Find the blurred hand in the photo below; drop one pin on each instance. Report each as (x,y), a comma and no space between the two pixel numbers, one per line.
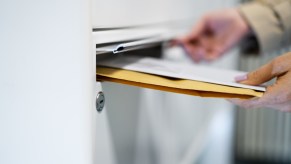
(214,34)
(278,95)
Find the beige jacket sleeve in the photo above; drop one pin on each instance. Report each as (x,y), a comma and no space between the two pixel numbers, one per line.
(270,21)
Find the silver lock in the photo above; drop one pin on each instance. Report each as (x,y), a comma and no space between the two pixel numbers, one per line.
(100,101)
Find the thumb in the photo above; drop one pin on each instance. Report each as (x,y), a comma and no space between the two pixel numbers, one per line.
(194,34)
(199,27)
(261,75)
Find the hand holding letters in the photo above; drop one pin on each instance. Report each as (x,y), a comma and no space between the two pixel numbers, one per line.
(278,95)
(214,34)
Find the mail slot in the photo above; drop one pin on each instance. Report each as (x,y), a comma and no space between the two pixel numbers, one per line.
(143,108)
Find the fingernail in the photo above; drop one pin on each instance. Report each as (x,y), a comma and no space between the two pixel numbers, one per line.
(241,78)
(185,49)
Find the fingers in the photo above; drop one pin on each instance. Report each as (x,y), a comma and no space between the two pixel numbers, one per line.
(212,47)
(196,53)
(277,95)
(191,42)
(248,104)
(199,52)
(194,35)
(261,102)
(258,103)
(202,43)
(263,74)
(199,28)
(202,49)
(284,107)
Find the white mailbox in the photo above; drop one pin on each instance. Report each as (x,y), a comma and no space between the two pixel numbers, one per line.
(48,88)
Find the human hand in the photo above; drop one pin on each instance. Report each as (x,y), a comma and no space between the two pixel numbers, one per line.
(278,95)
(214,34)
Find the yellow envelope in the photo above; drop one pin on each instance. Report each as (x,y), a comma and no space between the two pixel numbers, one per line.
(189,87)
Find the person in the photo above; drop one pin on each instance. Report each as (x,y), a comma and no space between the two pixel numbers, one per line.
(270,23)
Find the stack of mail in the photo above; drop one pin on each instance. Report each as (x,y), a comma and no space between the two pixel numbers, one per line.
(178,78)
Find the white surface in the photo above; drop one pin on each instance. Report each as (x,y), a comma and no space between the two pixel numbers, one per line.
(182,71)
(122,107)
(117,13)
(139,44)
(219,147)
(120,35)
(104,148)
(47,82)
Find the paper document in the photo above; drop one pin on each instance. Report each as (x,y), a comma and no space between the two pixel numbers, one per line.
(179,71)
(163,83)
(129,46)
(134,45)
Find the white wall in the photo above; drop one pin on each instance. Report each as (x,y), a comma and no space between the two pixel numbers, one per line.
(47,82)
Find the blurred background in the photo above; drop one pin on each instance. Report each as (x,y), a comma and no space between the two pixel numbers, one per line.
(154,127)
